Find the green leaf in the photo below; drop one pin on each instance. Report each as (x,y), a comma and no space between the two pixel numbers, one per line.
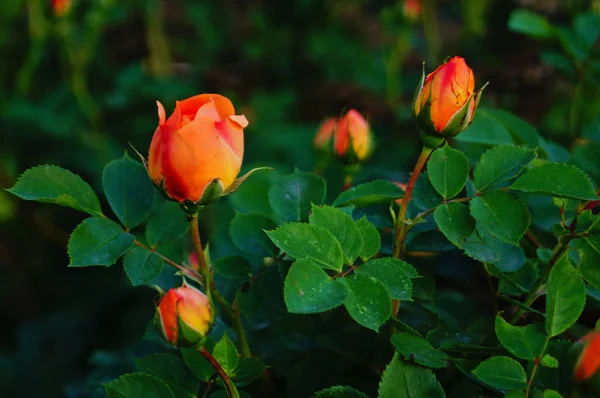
(529,23)
(455,222)
(502,372)
(197,364)
(525,342)
(128,190)
(371,240)
(342,227)
(418,349)
(291,196)
(52,184)
(588,249)
(247,233)
(312,242)
(368,302)
(136,385)
(549,361)
(448,170)
(502,215)
(248,371)
(370,193)
(565,297)
(340,392)
(142,265)
(499,164)
(226,354)
(170,369)
(557,180)
(395,274)
(482,246)
(401,380)
(308,289)
(222,393)
(98,241)
(232,267)
(166,223)
(551,394)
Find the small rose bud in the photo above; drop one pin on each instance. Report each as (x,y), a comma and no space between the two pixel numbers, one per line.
(412,9)
(587,359)
(61,7)
(348,138)
(445,101)
(197,152)
(184,316)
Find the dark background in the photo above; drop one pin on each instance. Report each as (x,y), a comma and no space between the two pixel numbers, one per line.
(77,89)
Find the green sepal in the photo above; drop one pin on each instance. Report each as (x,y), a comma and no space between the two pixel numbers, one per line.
(238,182)
(459,121)
(418,91)
(432,141)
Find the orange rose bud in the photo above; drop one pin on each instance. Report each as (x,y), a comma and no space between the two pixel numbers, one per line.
(349,137)
(197,152)
(61,7)
(588,361)
(412,9)
(445,101)
(184,316)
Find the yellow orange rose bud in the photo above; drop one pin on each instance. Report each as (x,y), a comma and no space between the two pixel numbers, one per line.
(184,316)
(349,137)
(197,152)
(61,7)
(445,101)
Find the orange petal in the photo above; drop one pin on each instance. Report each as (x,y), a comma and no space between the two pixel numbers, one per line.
(189,107)
(162,115)
(194,309)
(359,131)
(589,361)
(155,156)
(325,133)
(167,309)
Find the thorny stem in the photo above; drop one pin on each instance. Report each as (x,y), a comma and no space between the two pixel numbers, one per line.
(211,289)
(401,228)
(185,271)
(229,386)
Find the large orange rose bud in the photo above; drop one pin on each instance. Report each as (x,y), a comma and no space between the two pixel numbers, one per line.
(196,154)
(445,101)
(349,137)
(184,316)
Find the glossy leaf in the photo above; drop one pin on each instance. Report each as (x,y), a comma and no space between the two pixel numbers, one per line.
(368,301)
(340,392)
(502,215)
(499,164)
(129,190)
(502,373)
(419,350)
(448,170)
(455,222)
(371,240)
(52,184)
(304,241)
(170,369)
(373,192)
(136,385)
(226,354)
(395,274)
(98,241)
(401,380)
(142,265)
(557,180)
(525,342)
(166,223)
(342,227)
(247,232)
(291,196)
(565,297)
(308,289)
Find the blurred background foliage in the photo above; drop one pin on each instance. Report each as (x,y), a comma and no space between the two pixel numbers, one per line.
(79,86)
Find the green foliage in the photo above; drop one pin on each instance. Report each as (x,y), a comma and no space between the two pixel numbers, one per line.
(247,233)
(525,342)
(304,241)
(342,227)
(142,265)
(166,223)
(371,240)
(171,370)
(502,372)
(529,23)
(455,222)
(557,180)
(138,385)
(309,289)
(448,170)
(128,190)
(395,274)
(401,380)
(98,241)
(52,184)
(502,215)
(499,164)
(565,297)
(291,196)
(368,301)
(226,354)
(339,392)
(419,350)
(370,193)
